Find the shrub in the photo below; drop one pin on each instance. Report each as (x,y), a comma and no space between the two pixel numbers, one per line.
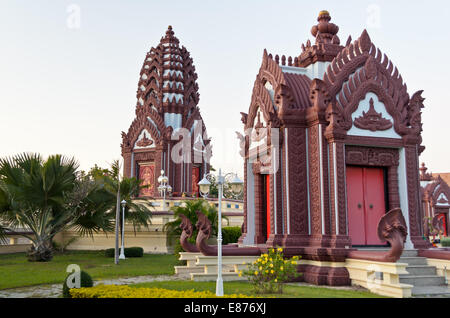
(231,234)
(85,281)
(177,249)
(134,252)
(124,291)
(129,252)
(270,271)
(445,241)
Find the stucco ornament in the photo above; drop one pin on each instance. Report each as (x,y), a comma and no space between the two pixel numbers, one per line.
(372,120)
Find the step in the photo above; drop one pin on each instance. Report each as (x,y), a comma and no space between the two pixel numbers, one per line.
(421,270)
(413,260)
(424,280)
(430,291)
(409,253)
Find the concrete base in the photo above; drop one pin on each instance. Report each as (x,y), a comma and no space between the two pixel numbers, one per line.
(205,267)
(379,277)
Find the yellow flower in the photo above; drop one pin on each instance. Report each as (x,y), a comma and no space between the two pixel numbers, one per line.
(276,280)
(260,268)
(240,274)
(294,262)
(267,271)
(256,272)
(272,271)
(271,265)
(281,268)
(280,249)
(270,259)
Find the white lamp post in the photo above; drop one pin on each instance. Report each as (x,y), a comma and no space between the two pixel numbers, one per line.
(236,187)
(122,248)
(164,187)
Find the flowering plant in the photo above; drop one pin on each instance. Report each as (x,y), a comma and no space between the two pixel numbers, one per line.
(270,271)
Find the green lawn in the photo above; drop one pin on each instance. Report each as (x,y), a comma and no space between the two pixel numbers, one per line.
(16,271)
(290,291)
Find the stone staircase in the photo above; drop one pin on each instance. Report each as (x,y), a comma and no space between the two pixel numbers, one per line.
(422,276)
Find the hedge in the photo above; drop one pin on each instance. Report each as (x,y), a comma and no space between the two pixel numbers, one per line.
(445,241)
(231,234)
(124,291)
(129,252)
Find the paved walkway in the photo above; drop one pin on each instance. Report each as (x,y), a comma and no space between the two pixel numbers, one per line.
(55,290)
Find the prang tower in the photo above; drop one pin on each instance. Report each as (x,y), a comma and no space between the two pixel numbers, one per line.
(168,132)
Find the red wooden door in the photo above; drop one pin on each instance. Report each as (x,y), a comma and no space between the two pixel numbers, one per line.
(443,216)
(355,211)
(267,204)
(366,204)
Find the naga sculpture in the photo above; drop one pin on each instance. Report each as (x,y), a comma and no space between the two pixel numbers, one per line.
(204,232)
(392,229)
(188,230)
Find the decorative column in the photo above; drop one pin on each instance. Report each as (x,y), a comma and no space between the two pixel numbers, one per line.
(277,195)
(414,205)
(297,220)
(338,204)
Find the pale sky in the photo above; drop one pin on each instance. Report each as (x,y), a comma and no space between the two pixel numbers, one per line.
(68,85)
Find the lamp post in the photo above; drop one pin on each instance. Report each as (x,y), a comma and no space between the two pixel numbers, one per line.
(164,187)
(122,248)
(236,187)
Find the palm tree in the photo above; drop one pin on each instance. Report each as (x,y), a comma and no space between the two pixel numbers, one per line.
(46,197)
(136,212)
(189,210)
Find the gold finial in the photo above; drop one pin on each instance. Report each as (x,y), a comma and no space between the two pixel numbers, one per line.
(324,15)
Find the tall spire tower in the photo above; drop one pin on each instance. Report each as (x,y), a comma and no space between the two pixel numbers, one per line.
(168,132)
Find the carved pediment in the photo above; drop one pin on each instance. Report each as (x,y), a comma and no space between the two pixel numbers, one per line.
(442,199)
(144,142)
(371,120)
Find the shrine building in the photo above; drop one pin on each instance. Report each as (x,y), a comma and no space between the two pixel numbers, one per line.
(347,146)
(436,200)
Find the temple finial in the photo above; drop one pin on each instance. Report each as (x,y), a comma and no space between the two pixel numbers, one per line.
(169,32)
(324,31)
(324,15)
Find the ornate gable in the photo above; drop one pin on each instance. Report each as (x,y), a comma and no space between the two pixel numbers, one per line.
(439,192)
(361,68)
